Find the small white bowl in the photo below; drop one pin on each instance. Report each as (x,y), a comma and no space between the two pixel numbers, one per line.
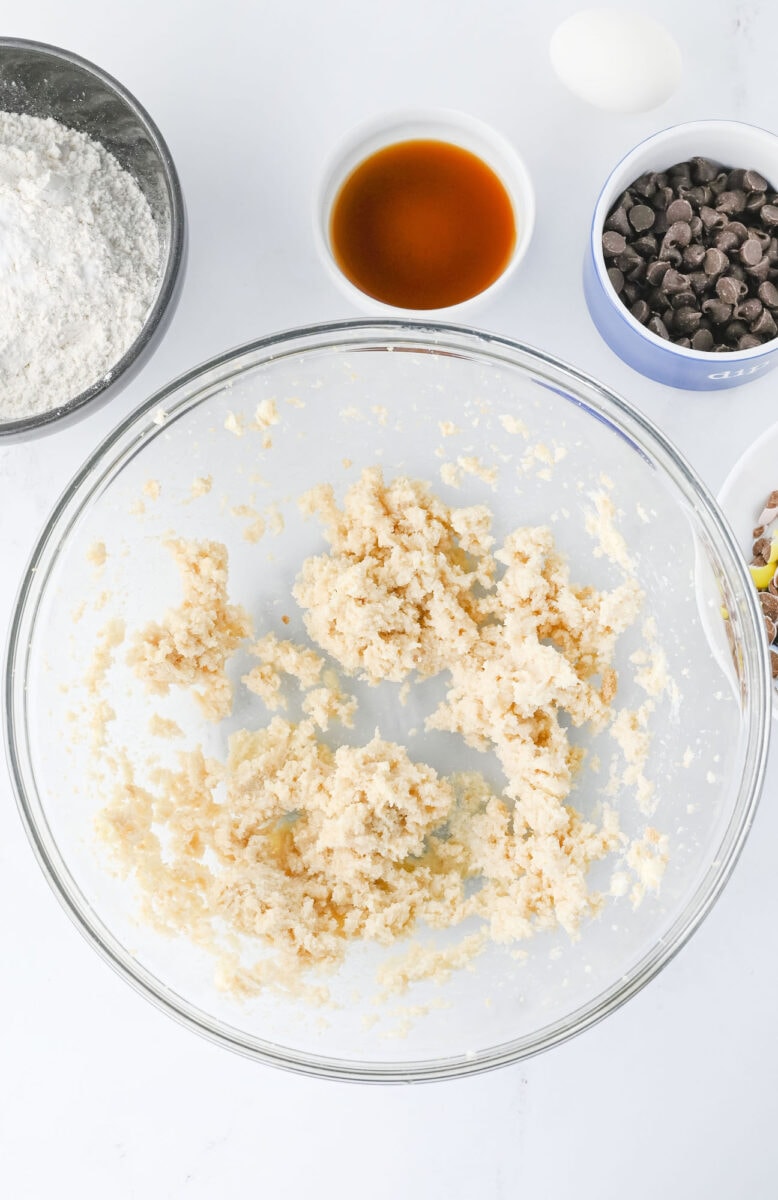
(752,478)
(733,144)
(443,125)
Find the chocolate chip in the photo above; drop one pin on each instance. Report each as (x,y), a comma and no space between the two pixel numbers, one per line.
(768,294)
(618,222)
(769,215)
(754,182)
(702,340)
(680,210)
(760,270)
(731,202)
(674,281)
(758,531)
(762,547)
(645,186)
(614,243)
(748,341)
(679,172)
(735,330)
(687,320)
(669,252)
(640,311)
(726,241)
(750,252)
(763,237)
(755,201)
(717,310)
(749,310)
(714,262)
(684,299)
(657,326)
(739,229)
(712,219)
(770,630)
(641,217)
(698,196)
(616,278)
(698,281)
(703,170)
(660,224)
(646,246)
(628,260)
(728,289)
(662,197)
(656,271)
(764,326)
(679,233)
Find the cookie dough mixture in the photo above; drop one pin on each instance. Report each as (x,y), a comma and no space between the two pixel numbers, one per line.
(295,846)
(191,644)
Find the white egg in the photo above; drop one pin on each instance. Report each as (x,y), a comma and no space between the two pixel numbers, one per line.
(617,60)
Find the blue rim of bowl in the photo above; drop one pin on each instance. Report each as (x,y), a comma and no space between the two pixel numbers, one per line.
(595,235)
(173,263)
(127,439)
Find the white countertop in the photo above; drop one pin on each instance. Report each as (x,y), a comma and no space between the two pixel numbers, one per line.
(100,1094)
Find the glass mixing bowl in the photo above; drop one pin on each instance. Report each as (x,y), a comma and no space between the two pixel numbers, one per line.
(410,397)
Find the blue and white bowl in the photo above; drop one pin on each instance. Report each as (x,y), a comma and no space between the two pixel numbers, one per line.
(733,144)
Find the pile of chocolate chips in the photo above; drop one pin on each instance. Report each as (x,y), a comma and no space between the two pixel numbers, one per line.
(769,597)
(693,254)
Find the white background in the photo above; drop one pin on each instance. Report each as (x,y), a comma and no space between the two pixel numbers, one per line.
(100,1094)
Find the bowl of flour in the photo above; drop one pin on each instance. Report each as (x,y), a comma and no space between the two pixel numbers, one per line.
(92,241)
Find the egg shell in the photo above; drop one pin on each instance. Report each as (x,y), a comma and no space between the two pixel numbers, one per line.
(616,60)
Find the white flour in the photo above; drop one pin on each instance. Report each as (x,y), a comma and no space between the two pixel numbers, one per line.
(79,263)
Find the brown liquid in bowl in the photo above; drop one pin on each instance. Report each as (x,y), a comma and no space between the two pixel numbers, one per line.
(422,224)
